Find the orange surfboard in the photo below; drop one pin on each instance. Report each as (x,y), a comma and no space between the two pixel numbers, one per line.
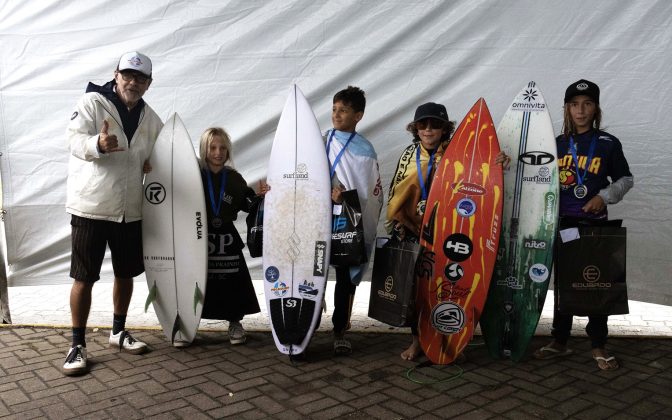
(459,238)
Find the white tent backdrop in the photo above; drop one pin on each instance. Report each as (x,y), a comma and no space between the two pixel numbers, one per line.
(230,63)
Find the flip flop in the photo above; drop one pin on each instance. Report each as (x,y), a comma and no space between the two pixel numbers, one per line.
(548,352)
(342,346)
(604,362)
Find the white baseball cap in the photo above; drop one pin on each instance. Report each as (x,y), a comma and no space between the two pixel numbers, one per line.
(136,61)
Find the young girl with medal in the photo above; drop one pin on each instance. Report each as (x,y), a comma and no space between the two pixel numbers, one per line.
(593,173)
(412,180)
(229,294)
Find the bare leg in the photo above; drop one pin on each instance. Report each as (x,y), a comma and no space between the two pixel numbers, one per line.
(121,295)
(80,303)
(413,350)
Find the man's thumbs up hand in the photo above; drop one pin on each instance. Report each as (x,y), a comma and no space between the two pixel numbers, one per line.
(108,143)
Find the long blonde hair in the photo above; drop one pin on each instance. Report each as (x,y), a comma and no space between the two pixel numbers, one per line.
(568,127)
(206,139)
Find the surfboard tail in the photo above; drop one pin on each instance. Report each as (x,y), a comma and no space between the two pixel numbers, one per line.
(291,319)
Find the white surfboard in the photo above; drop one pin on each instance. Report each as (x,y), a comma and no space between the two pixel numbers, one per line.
(524,260)
(174,233)
(297,226)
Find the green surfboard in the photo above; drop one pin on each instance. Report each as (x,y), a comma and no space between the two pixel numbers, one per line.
(525,256)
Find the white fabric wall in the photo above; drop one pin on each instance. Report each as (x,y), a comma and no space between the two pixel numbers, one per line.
(230,63)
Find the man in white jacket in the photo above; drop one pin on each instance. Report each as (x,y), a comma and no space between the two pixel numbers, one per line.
(111,135)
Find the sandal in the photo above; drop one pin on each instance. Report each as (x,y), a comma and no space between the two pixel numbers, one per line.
(548,352)
(606,363)
(342,346)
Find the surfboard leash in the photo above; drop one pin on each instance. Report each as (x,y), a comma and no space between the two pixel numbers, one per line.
(291,354)
(294,359)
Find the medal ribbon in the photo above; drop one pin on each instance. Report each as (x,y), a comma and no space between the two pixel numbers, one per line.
(332,170)
(211,190)
(591,150)
(425,193)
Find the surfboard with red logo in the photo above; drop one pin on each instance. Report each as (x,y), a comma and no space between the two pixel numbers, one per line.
(459,238)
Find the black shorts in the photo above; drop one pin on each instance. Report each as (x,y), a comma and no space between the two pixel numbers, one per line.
(89,239)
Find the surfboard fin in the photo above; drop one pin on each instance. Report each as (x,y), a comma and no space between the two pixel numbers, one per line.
(151,297)
(198,297)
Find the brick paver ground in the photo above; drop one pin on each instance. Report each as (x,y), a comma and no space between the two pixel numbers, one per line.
(213,379)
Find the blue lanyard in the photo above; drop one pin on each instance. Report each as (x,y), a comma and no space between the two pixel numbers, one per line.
(340,154)
(425,193)
(591,150)
(211,190)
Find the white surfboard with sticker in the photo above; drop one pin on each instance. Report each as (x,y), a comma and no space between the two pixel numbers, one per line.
(524,260)
(174,233)
(297,226)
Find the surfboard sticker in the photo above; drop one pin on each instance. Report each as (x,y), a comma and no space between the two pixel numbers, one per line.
(297,226)
(459,238)
(524,259)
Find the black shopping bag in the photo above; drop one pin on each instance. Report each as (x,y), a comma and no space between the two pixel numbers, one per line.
(392,285)
(590,271)
(255,228)
(347,233)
